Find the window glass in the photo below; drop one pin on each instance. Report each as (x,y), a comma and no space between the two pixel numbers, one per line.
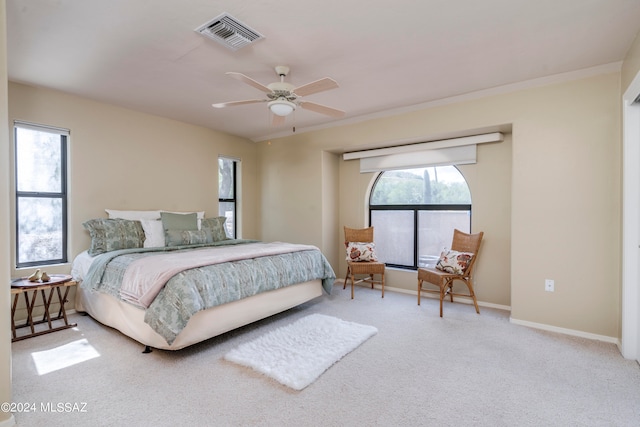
(435,232)
(432,185)
(41,201)
(393,235)
(414,212)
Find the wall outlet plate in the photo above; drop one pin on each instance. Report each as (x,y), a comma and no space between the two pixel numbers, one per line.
(549,285)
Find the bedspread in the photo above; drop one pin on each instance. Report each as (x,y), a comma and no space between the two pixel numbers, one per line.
(145,277)
(206,286)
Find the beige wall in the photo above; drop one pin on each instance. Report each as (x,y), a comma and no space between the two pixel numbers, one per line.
(560,218)
(288,178)
(122,159)
(330,206)
(6,418)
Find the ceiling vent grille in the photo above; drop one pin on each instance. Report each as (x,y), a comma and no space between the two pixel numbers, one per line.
(230,32)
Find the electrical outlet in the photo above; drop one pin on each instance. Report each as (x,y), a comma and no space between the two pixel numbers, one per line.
(549,285)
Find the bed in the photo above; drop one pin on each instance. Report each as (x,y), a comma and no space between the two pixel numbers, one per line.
(185,291)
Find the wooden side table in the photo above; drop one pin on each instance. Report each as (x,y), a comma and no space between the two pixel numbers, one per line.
(54,286)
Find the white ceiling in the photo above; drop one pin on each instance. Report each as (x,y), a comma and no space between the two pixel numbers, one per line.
(145,54)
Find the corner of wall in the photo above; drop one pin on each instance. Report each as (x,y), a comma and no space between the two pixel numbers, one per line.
(6,418)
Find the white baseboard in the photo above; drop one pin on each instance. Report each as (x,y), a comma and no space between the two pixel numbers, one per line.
(431,295)
(24,320)
(572,332)
(9,422)
(542,326)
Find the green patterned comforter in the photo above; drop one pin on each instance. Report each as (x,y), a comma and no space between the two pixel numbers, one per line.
(201,288)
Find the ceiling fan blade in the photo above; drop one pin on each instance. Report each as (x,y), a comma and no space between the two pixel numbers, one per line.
(249,81)
(315,87)
(322,109)
(277,120)
(234,103)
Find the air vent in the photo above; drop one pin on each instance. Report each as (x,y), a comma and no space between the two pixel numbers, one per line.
(230,32)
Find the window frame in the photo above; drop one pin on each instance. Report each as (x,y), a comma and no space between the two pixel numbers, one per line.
(234,200)
(416,209)
(62,195)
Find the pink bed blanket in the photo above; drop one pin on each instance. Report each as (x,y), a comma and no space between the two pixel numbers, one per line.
(145,277)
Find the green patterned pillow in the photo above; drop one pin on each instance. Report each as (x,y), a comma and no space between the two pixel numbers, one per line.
(113,234)
(187,237)
(216,227)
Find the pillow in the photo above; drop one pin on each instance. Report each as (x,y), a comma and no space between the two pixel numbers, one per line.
(133,215)
(113,234)
(153,233)
(187,237)
(361,251)
(175,221)
(199,213)
(215,227)
(454,262)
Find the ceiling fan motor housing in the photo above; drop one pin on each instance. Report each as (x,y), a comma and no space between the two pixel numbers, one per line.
(281,90)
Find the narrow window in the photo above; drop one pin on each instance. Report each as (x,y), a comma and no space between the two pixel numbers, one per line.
(41,195)
(227,193)
(414,212)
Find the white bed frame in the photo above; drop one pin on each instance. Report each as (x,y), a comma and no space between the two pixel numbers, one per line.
(205,324)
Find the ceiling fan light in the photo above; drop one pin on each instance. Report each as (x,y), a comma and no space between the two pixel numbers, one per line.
(281,107)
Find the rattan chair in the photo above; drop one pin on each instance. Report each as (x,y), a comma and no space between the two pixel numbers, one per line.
(368,268)
(462,242)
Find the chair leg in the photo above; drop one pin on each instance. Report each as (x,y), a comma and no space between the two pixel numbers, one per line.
(419,290)
(382,285)
(473,294)
(371,277)
(353,280)
(344,286)
(442,293)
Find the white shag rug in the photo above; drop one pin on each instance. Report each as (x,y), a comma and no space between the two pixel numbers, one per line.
(297,354)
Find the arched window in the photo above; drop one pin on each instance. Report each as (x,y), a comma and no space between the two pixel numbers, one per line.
(414,212)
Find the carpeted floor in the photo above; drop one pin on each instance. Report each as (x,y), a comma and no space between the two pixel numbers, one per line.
(419,370)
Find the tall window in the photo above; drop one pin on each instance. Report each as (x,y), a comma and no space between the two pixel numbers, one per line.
(41,195)
(414,212)
(227,193)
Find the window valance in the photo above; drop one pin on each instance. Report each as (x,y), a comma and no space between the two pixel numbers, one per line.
(456,151)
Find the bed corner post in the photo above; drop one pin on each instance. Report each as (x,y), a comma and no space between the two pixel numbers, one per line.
(147,349)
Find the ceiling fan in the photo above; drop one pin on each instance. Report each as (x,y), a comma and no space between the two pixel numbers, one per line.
(283,98)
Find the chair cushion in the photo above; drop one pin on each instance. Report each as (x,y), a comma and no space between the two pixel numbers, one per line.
(361,251)
(454,262)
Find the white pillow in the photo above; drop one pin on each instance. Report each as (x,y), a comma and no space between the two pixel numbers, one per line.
(153,233)
(132,215)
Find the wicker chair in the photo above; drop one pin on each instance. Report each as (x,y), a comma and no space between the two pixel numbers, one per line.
(368,268)
(462,242)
